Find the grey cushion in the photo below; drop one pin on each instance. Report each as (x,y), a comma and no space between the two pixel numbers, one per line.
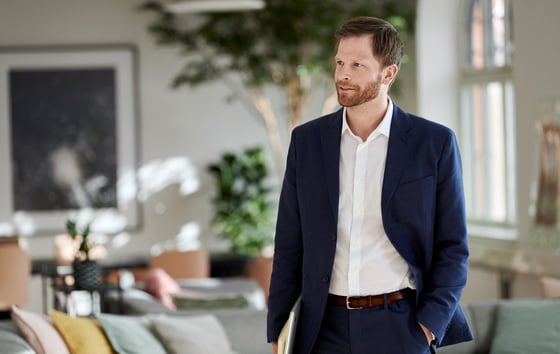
(192,334)
(11,343)
(245,328)
(8,325)
(134,302)
(483,315)
(245,287)
(527,326)
(250,337)
(188,301)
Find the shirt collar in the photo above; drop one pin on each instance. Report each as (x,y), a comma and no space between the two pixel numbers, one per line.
(383,128)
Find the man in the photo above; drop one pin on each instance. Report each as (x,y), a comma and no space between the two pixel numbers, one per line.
(371,225)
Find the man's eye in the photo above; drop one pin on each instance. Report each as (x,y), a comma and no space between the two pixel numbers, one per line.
(358,65)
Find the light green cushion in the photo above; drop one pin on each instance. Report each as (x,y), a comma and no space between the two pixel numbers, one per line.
(527,326)
(130,335)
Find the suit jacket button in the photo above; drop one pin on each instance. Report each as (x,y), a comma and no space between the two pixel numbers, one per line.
(325,279)
(334,236)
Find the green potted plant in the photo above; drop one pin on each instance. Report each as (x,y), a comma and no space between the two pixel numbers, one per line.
(86,271)
(242,205)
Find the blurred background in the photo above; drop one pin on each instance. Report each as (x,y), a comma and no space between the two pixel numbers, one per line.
(147,165)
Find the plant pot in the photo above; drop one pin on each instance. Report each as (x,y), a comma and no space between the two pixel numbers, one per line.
(86,275)
(260,270)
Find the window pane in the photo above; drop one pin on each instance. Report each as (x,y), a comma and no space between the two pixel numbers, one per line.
(496,164)
(478,144)
(487,114)
(489,35)
(511,174)
(485,155)
(476,58)
(498,34)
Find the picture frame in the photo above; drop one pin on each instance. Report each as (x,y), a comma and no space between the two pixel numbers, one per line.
(68,135)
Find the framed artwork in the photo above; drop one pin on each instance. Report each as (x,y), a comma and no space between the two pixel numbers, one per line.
(548,197)
(68,133)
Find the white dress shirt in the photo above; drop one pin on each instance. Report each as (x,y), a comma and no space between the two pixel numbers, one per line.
(366,262)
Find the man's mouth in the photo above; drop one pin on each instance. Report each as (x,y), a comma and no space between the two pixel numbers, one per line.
(345,87)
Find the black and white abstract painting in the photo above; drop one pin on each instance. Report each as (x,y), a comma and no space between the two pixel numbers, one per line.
(67,132)
(63,139)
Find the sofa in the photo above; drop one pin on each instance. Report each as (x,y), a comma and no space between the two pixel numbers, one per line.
(239,331)
(496,325)
(137,300)
(519,326)
(512,326)
(225,316)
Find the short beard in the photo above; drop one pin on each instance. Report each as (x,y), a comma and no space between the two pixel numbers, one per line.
(356,98)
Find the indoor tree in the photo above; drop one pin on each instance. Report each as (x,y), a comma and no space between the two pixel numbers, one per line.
(289,44)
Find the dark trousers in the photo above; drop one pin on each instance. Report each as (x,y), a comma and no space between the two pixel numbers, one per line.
(386,329)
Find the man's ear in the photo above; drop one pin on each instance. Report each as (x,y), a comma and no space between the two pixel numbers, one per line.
(390,73)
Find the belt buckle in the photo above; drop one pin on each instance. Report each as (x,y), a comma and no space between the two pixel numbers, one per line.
(348,304)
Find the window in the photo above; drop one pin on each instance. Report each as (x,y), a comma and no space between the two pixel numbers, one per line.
(487,131)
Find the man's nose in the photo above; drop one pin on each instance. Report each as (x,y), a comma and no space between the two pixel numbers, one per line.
(343,74)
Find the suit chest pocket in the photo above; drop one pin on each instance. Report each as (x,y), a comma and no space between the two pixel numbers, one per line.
(417,195)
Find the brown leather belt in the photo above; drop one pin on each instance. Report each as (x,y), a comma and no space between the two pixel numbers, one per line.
(365,302)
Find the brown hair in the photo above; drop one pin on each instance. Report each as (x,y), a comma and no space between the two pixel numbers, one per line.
(386,43)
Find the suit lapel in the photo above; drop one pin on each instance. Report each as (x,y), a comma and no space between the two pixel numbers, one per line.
(330,145)
(397,154)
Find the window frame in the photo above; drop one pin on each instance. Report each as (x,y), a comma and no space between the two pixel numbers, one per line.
(468,76)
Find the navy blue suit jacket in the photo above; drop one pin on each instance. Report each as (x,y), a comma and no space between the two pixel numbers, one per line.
(423,216)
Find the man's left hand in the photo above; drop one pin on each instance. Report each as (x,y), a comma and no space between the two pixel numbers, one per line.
(429,335)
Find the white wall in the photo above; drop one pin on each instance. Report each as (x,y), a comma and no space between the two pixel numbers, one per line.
(199,123)
(196,123)
(536,78)
(436,52)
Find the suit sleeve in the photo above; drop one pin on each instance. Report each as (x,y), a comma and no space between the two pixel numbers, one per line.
(285,285)
(447,275)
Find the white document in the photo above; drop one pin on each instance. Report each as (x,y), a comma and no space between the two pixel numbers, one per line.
(288,334)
